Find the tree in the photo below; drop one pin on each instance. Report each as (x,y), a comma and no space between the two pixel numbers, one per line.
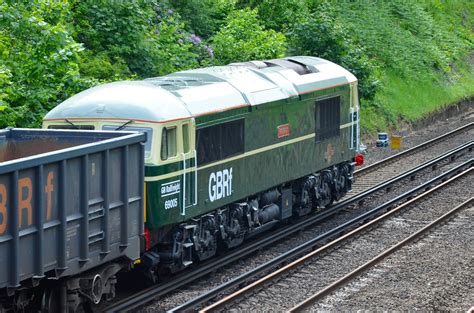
(203,17)
(134,38)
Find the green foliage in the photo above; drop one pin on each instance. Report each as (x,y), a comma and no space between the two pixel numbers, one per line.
(403,35)
(416,46)
(322,34)
(203,17)
(103,67)
(5,82)
(408,99)
(279,15)
(39,65)
(120,31)
(142,38)
(243,38)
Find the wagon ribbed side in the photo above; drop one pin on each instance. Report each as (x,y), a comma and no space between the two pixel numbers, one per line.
(75,206)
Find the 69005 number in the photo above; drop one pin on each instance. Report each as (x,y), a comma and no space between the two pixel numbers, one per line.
(172,203)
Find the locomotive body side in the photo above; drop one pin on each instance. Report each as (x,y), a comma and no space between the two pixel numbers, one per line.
(279,145)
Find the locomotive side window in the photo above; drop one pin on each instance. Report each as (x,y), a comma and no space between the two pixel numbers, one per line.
(185,130)
(168,143)
(328,118)
(220,141)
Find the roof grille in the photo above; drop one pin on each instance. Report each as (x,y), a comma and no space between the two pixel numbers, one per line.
(176,82)
(298,67)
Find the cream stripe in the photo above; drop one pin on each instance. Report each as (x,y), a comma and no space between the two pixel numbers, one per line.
(243,155)
(347,125)
(260,150)
(253,152)
(169,175)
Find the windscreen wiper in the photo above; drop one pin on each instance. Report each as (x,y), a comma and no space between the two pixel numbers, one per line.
(123,125)
(71,123)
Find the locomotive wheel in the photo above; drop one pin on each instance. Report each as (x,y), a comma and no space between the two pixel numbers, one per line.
(307,202)
(325,192)
(340,184)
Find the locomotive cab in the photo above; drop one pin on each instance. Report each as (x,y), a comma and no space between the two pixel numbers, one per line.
(171,176)
(118,125)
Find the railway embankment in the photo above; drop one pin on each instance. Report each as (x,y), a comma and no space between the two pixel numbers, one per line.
(415,133)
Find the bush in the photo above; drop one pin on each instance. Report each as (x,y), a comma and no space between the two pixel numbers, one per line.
(279,15)
(243,38)
(203,17)
(143,38)
(50,50)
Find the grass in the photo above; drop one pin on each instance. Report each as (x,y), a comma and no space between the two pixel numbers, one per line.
(409,99)
(424,50)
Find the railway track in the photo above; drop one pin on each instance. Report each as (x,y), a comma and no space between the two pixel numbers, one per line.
(185,278)
(377,172)
(381,256)
(291,275)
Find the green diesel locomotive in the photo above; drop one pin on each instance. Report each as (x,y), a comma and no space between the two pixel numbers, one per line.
(231,150)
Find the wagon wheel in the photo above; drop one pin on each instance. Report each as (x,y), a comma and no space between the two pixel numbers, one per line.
(50,300)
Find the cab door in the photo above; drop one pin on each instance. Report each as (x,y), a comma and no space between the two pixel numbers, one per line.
(189,179)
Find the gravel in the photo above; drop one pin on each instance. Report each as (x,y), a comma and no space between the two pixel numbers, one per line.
(413,138)
(366,180)
(435,273)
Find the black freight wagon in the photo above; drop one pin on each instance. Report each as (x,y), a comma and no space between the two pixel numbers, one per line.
(71,214)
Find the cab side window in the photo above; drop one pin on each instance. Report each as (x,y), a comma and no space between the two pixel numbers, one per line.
(168,143)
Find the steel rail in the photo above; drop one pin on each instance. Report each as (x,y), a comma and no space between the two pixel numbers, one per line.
(295,252)
(222,303)
(412,150)
(340,282)
(154,292)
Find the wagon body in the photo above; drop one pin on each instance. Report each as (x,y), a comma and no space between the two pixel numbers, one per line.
(69,201)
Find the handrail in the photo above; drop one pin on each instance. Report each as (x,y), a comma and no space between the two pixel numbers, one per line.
(183,206)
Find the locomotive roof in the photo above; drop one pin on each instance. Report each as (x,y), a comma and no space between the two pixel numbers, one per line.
(201,91)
